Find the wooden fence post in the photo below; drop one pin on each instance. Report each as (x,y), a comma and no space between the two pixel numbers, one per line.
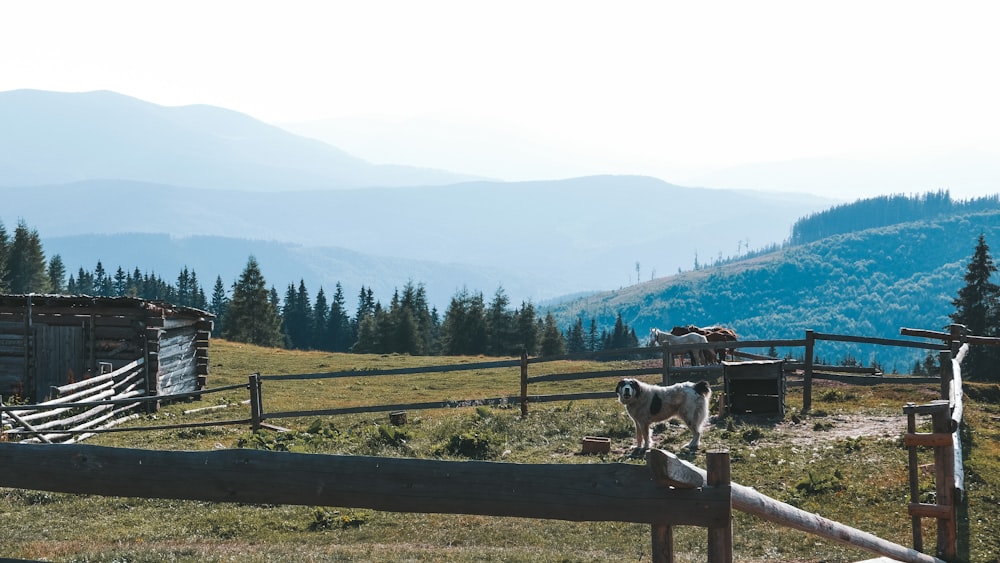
(256,404)
(944,469)
(668,360)
(958,333)
(911,428)
(947,373)
(663,543)
(720,540)
(807,372)
(524,382)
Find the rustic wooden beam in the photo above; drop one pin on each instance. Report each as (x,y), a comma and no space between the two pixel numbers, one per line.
(574,492)
(927,440)
(746,499)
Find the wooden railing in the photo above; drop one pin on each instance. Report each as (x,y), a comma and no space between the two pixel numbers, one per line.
(231,465)
(668,492)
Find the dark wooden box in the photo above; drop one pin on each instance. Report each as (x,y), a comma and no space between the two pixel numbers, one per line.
(756,387)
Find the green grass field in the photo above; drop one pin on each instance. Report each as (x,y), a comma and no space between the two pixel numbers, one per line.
(843,461)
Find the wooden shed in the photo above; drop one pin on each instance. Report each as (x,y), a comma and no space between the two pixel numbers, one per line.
(52,340)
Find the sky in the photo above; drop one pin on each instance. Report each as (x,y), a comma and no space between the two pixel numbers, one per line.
(716,93)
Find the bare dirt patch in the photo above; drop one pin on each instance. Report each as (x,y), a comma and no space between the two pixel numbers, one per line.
(840,427)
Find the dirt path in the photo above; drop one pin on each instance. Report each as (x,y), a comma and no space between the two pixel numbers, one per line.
(834,427)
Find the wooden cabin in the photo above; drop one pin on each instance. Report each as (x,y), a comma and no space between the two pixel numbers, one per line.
(52,340)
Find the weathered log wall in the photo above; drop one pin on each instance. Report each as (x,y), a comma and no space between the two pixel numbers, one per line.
(51,340)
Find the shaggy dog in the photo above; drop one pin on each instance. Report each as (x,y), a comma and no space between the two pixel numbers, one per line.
(647,404)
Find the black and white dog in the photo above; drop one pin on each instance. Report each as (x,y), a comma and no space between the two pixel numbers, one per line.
(647,404)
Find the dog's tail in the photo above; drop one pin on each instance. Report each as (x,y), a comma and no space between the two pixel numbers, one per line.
(702,388)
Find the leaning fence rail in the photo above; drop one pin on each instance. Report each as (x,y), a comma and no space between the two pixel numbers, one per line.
(70,429)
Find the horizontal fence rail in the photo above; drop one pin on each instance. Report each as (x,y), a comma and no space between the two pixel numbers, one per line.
(575,492)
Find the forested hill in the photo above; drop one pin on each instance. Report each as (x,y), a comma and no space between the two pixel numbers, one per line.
(883,211)
(869,283)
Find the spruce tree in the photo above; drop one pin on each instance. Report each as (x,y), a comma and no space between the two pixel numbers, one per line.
(320,315)
(501,336)
(218,306)
(575,339)
(253,316)
(527,327)
(26,268)
(57,274)
(102,282)
(552,339)
(414,300)
(4,254)
(463,331)
(976,307)
(120,282)
(593,338)
(340,334)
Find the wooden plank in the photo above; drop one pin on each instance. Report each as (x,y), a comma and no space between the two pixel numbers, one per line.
(669,470)
(637,372)
(573,492)
(926,439)
(925,510)
(878,341)
(398,371)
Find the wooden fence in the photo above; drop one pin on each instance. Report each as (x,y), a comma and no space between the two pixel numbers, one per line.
(42,422)
(666,369)
(669,492)
(742,498)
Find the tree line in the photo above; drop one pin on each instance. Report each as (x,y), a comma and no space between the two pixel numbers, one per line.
(249,311)
(883,211)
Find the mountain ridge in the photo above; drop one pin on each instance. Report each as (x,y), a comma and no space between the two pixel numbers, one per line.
(868,283)
(58,137)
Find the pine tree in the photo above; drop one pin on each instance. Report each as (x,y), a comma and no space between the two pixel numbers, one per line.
(463,331)
(198,299)
(320,321)
(253,316)
(976,307)
(593,338)
(102,282)
(340,334)
(4,254)
(552,339)
(527,328)
(26,272)
(218,306)
(414,300)
(501,337)
(297,317)
(575,340)
(57,274)
(120,282)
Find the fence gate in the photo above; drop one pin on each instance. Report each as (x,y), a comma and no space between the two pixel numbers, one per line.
(59,357)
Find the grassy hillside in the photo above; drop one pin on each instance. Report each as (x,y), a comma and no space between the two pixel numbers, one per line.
(869,283)
(821,462)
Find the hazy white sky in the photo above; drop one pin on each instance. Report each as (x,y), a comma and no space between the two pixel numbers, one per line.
(655,87)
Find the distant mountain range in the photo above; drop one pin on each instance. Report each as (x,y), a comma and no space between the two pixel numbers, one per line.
(219,185)
(55,138)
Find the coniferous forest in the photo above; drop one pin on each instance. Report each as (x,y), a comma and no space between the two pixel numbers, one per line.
(251,311)
(866,268)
